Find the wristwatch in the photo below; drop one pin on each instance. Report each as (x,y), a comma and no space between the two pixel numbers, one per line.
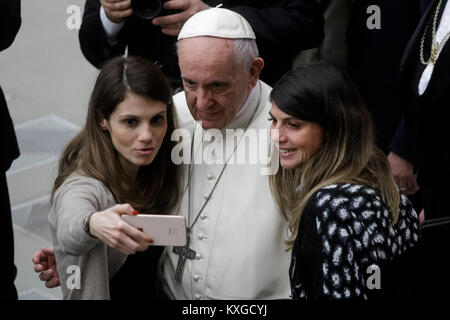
(86,226)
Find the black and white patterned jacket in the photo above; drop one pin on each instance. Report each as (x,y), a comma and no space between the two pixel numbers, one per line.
(344,230)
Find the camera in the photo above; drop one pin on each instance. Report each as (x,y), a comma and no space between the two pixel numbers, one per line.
(149,9)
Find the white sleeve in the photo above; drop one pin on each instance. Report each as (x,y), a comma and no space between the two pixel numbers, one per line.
(111,28)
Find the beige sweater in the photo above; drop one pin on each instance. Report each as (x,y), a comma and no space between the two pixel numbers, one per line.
(84,263)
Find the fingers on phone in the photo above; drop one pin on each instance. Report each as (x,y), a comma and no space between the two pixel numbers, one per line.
(131,246)
(142,239)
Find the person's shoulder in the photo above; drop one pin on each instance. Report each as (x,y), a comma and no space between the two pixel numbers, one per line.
(79,183)
(340,211)
(324,200)
(336,194)
(79,177)
(344,198)
(328,211)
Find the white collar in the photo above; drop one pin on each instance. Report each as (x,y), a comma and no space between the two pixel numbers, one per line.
(444,24)
(248,109)
(443,29)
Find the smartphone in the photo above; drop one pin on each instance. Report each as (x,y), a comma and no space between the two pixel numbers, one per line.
(165,230)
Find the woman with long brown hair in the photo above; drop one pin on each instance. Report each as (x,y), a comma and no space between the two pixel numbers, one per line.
(346,216)
(118,164)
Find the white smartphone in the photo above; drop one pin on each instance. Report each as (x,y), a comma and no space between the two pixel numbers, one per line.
(165,230)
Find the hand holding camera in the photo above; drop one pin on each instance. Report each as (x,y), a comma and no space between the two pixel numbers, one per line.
(170,15)
(171,24)
(117,10)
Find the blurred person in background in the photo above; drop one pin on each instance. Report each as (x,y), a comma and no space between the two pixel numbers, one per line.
(425,92)
(282,28)
(10,21)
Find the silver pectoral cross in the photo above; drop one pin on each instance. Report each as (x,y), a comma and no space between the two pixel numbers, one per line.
(183,253)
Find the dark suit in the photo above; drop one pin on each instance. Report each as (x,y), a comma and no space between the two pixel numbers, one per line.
(9,26)
(427,119)
(282,28)
(374,57)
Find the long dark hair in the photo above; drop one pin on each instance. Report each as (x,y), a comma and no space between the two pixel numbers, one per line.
(323,94)
(158,186)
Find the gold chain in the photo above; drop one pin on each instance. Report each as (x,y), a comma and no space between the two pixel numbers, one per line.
(435,46)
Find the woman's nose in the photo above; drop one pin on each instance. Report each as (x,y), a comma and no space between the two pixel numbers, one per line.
(274,134)
(145,134)
(277,135)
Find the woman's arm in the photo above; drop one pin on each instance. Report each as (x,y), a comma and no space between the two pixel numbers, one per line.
(82,201)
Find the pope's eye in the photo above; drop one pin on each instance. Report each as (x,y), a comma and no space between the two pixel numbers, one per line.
(189,84)
(218,86)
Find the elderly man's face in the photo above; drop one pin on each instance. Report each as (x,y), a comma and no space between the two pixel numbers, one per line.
(215,86)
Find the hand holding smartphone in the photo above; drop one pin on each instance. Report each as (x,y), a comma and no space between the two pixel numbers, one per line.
(165,230)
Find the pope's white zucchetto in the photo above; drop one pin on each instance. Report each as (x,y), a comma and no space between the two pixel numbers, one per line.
(217,22)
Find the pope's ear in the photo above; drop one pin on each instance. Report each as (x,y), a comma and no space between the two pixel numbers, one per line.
(255,70)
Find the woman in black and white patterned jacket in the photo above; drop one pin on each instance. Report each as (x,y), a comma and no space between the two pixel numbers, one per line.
(350,228)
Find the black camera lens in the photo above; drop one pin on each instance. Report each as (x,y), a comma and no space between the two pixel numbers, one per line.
(147,9)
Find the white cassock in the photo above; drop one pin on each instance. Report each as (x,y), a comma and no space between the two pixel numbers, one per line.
(239,236)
